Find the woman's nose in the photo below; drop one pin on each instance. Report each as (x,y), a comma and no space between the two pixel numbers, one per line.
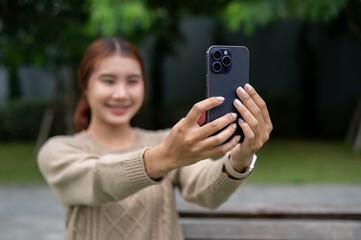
(120,92)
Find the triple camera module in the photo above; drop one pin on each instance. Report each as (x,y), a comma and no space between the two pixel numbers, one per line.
(222,60)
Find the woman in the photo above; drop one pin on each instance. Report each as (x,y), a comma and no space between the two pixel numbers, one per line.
(116,181)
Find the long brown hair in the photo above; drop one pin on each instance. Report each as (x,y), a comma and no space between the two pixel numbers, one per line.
(98,50)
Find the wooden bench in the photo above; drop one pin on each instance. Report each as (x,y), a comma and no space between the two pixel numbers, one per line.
(283,216)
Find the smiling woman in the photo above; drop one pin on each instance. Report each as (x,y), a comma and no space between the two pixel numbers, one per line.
(115,95)
(95,66)
(116,181)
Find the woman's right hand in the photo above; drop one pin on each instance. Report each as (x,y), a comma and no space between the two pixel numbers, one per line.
(188,142)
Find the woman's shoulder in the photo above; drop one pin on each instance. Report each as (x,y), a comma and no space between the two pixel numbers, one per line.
(67,139)
(81,142)
(62,142)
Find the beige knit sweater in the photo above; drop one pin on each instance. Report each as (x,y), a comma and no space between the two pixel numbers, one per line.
(108,195)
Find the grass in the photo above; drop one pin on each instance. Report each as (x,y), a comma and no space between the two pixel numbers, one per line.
(302,161)
(18,163)
(279,161)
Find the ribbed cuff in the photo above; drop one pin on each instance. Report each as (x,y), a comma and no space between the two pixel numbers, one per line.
(223,181)
(135,169)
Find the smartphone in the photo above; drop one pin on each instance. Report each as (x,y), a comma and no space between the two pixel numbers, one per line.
(227,69)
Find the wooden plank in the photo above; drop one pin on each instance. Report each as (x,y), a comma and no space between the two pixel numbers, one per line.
(297,202)
(271,215)
(226,229)
(277,212)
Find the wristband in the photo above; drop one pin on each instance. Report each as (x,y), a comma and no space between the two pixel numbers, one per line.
(236,174)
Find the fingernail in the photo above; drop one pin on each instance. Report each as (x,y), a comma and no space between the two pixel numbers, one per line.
(248,86)
(238,103)
(234,115)
(221,99)
(234,125)
(241,90)
(240,120)
(238,138)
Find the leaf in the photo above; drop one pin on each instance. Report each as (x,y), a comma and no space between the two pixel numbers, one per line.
(247,15)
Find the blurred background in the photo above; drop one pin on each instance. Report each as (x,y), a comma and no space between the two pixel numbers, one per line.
(305,61)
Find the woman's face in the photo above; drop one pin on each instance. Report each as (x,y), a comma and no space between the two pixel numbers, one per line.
(115,90)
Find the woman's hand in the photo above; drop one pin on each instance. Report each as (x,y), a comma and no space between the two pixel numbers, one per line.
(188,142)
(256,127)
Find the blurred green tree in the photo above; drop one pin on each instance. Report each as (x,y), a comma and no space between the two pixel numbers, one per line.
(160,19)
(48,34)
(251,14)
(54,33)
(335,15)
(41,32)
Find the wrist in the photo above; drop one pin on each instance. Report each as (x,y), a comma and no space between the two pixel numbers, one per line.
(240,166)
(233,173)
(156,163)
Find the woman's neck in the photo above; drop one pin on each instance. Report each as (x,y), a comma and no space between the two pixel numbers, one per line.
(111,137)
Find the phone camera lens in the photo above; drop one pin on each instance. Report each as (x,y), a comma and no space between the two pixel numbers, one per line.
(217,54)
(226,60)
(217,66)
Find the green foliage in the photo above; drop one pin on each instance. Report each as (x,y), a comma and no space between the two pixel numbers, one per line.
(320,10)
(141,16)
(247,15)
(56,32)
(109,17)
(135,20)
(42,32)
(250,14)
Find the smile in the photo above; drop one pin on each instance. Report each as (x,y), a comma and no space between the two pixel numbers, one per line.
(118,110)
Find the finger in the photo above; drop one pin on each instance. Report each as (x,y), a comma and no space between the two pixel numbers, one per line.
(248,117)
(251,105)
(249,136)
(224,148)
(195,113)
(202,119)
(217,124)
(221,137)
(259,111)
(260,103)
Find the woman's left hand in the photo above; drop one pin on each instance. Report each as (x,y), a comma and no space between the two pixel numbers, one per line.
(256,127)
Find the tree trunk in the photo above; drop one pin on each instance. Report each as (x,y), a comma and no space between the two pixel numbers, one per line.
(356,119)
(64,101)
(67,76)
(14,85)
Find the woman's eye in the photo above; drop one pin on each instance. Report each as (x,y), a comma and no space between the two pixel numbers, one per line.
(108,81)
(133,81)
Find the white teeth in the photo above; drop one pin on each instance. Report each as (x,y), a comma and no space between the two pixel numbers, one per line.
(118,107)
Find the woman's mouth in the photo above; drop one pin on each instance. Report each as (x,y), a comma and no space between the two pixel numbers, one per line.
(118,110)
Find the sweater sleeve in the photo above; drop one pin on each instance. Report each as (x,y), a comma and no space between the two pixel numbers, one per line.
(81,178)
(205,183)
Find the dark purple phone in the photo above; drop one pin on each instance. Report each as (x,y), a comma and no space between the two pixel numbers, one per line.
(227,69)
